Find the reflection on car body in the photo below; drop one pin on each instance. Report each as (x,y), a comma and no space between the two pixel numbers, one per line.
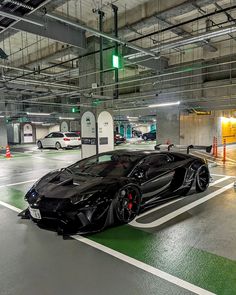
(112,188)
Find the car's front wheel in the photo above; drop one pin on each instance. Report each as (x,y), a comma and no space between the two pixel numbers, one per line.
(127,203)
(202,178)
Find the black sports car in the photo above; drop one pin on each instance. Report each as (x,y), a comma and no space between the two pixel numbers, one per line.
(112,188)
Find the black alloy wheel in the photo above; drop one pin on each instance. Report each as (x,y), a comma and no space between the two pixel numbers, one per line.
(202,179)
(127,203)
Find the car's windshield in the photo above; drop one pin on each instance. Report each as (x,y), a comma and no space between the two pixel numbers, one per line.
(109,165)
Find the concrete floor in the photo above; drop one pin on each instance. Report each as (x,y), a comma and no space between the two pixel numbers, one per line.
(186,247)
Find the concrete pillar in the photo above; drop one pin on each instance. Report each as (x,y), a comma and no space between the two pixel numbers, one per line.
(3,133)
(168,126)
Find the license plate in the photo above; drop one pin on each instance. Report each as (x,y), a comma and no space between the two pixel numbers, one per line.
(35,213)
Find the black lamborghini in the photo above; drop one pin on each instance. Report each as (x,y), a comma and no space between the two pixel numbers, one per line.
(112,188)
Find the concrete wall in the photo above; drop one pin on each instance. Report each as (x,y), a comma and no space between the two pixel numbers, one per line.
(198,129)
(168,126)
(41,132)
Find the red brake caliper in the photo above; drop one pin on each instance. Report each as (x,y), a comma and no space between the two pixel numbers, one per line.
(130,197)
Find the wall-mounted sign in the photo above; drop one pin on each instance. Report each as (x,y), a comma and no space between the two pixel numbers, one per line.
(103,140)
(64,126)
(88,133)
(86,140)
(28,133)
(105,132)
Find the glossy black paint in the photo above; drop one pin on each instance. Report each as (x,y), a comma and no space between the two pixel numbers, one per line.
(86,203)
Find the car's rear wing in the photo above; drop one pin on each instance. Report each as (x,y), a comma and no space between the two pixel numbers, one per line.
(169,147)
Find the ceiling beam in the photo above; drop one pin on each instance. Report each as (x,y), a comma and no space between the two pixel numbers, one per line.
(55,30)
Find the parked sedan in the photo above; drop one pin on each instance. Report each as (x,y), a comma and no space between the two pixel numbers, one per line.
(59,140)
(112,188)
(149,135)
(118,139)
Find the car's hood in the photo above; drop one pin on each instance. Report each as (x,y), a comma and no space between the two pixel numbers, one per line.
(63,184)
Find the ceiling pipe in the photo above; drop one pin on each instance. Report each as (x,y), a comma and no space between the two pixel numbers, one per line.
(102,34)
(187,41)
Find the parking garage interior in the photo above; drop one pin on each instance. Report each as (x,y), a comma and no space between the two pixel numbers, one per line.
(84,77)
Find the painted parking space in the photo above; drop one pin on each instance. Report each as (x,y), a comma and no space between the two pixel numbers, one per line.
(167,248)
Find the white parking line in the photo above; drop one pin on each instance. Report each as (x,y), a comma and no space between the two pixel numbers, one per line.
(181,210)
(148,268)
(18,183)
(219,180)
(222,175)
(10,207)
(176,200)
(158,208)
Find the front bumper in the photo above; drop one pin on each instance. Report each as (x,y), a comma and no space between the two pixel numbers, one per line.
(65,218)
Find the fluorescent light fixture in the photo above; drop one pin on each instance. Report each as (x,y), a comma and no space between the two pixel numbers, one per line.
(132,117)
(36,122)
(66,118)
(167,104)
(2,116)
(38,114)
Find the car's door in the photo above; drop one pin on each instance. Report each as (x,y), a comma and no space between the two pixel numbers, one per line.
(46,141)
(57,137)
(156,176)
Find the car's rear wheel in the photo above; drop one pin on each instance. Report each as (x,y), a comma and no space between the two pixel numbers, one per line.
(39,144)
(58,145)
(145,137)
(127,203)
(202,178)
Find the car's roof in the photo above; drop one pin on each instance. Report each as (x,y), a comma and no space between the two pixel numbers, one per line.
(132,152)
(144,153)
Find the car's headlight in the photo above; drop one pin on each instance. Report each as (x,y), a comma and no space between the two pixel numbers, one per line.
(80,198)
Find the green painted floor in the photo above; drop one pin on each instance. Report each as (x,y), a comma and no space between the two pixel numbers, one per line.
(173,248)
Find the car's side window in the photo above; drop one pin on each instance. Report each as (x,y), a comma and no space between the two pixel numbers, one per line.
(104,158)
(49,135)
(154,164)
(57,135)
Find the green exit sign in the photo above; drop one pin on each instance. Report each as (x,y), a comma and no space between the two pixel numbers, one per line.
(115,61)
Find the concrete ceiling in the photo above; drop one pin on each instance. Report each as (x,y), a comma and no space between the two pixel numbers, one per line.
(63,64)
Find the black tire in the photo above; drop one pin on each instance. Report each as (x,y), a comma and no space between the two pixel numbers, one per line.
(127,203)
(202,178)
(145,138)
(58,145)
(39,144)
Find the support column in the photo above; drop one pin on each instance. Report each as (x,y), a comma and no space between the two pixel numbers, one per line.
(168,126)
(3,133)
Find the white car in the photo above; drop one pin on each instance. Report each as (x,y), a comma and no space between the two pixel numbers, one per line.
(59,140)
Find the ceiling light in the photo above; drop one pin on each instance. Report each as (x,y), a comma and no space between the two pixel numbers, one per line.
(36,122)
(38,114)
(2,116)
(167,104)
(132,117)
(66,118)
